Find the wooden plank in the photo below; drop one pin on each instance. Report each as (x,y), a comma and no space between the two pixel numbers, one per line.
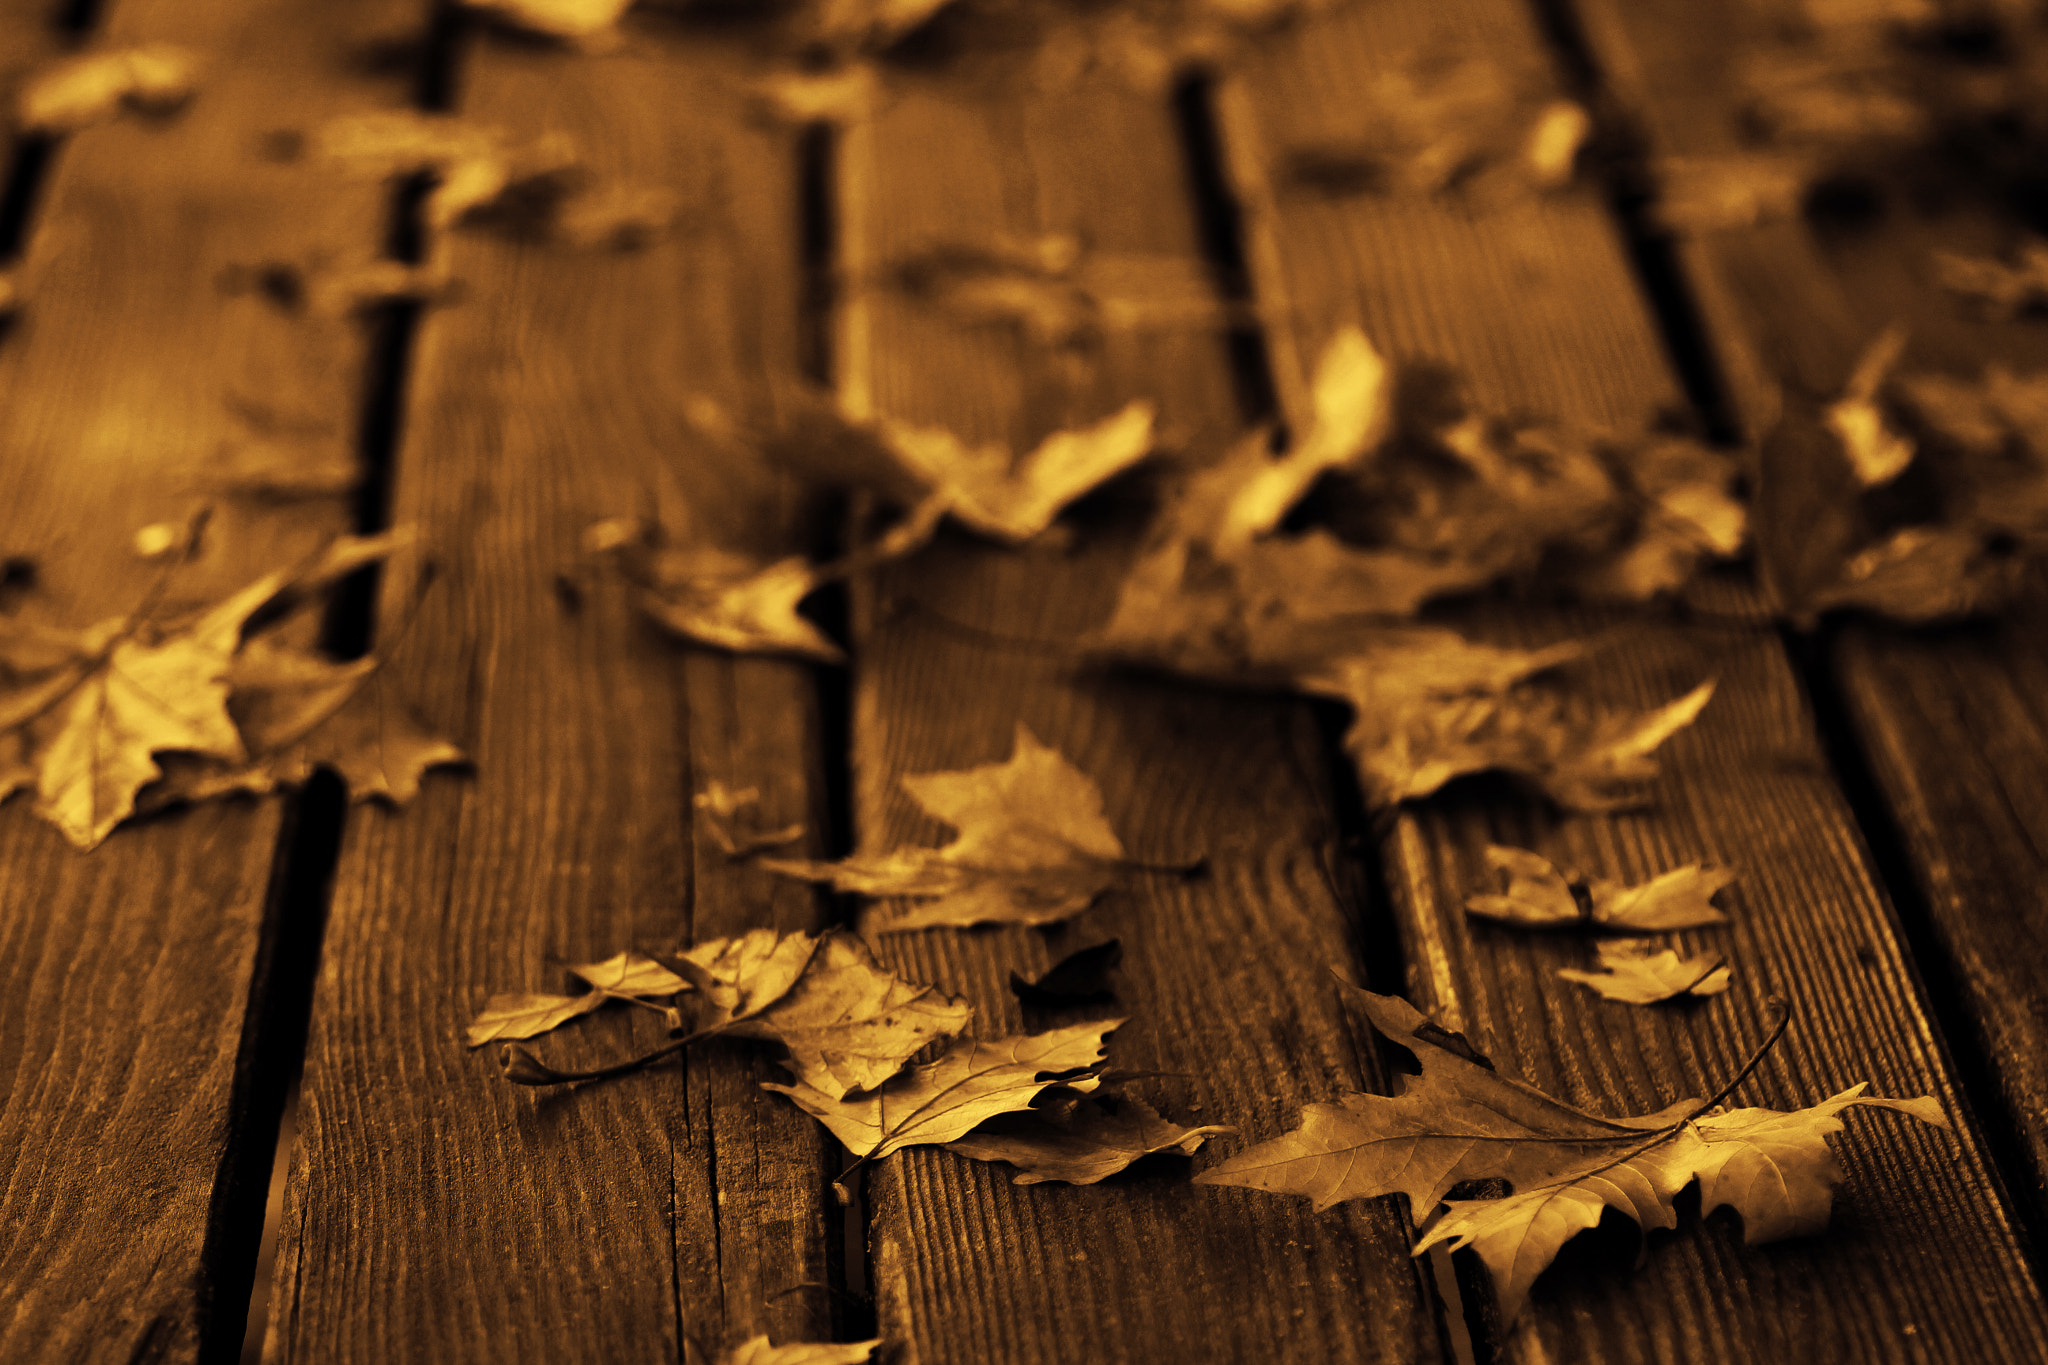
(435,1212)
(1224,979)
(126,972)
(1533,298)
(1943,718)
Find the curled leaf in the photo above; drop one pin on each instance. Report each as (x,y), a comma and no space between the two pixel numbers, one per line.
(1539,895)
(1090,1140)
(757,1351)
(1638,972)
(969,1083)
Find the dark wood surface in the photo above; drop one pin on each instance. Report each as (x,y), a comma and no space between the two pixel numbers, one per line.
(127,971)
(1533,297)
(680,1205)
(1790,304)
(436,1213)
(1225,979)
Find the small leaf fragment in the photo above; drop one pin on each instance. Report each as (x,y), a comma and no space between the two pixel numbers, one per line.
(1089,1141)
(1877,452)
(720,806)
(1638,972)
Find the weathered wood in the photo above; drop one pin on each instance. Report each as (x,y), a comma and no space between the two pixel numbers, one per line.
(437,1213)
(1225,980)
(1944,717)
(1534,300)
(126,972)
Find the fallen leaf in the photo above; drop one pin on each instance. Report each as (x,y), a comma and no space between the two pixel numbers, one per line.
(78,92)
(575,20)
(1085,1142)
(848,1023)
(1428,710)
(1032,848)
(1539,895)
(1081,977)
(1459,1122)
(1877,453)
(720,806)
(1013,501)
(971,1082)
(538,187)
(522,1015)
(870,25)
(718,597)
(1999,291)
(757,1351)
(1638,972)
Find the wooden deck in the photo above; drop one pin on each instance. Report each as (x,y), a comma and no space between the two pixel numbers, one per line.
(213,976)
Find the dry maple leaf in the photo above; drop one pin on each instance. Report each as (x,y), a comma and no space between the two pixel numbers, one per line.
(846,1022)
(1032,848)
(1012,500)
(757,1351)
(1540,896)
(78,92)
(1080,1143)
(1639,972)
(717,597)
(1428,707)
(1460,1121)
(93,710)
(970,1082)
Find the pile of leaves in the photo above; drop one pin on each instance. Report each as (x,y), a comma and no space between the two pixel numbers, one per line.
(1460,1122)
(1923,497)
(143,710)
(1874,95)
(848,1028)
(1304,571)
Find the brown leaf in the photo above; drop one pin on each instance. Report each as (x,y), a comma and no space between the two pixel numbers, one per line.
(78,92)
(1459,1122)
(1032,848)
(1638,972)
(969,1083)
(1089,1141)
(580,21)
(757,1351)
(848,1023)
(1539,895)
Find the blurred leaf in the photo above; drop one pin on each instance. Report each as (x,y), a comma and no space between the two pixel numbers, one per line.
(1638,972)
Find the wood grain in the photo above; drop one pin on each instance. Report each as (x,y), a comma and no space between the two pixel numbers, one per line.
(437,1213)
(1943,716)
(1225,979)
(126,972)
(1534,299)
